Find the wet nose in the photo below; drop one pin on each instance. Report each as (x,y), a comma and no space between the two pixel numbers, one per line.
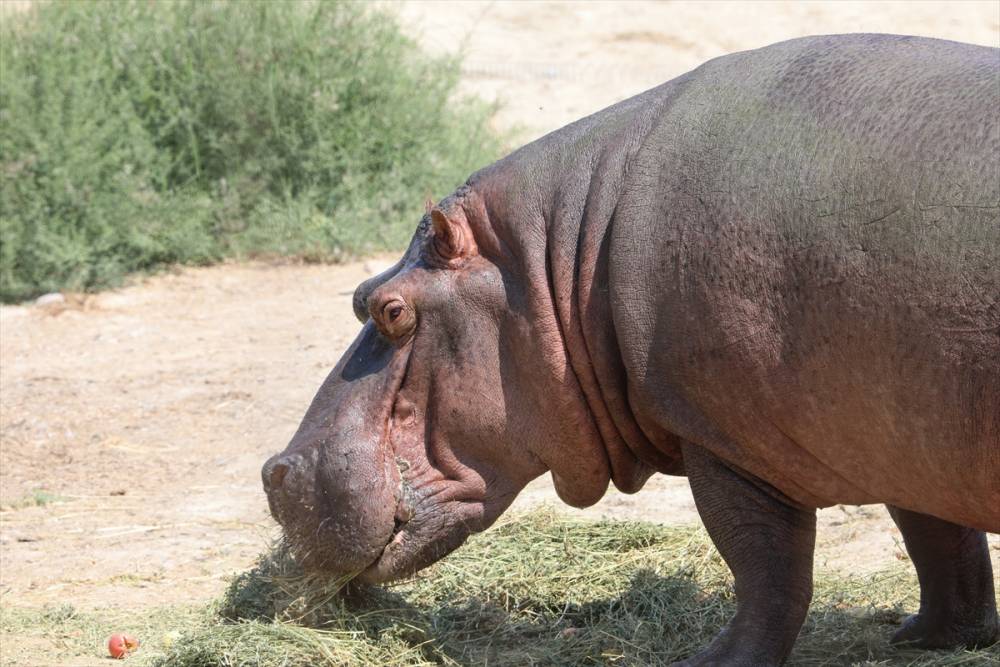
(274,471)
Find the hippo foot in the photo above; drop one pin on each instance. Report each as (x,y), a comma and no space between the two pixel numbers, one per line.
(923,631)
(733,649)
(710,658)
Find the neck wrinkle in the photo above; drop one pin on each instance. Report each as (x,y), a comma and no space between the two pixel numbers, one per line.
(576,231)
(578,236)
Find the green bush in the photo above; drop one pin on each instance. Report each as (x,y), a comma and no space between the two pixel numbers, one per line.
(136,133)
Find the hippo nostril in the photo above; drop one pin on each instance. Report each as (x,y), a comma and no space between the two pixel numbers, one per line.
(277,475)
(274,471)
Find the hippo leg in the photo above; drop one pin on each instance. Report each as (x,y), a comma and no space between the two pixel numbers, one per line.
(957,602)
(768,544)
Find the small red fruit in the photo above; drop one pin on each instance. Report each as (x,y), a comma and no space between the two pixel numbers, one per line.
(121,644)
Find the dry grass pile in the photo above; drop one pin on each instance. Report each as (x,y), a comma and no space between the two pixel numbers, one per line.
(540,589)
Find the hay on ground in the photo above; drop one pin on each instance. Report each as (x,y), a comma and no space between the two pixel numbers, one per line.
(540,589)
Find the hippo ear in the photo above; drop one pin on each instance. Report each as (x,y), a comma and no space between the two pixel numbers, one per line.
(453,238)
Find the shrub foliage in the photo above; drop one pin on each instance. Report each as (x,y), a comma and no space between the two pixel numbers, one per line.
(137,133)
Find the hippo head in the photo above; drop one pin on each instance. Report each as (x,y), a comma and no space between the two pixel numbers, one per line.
(436,416)
(464,384)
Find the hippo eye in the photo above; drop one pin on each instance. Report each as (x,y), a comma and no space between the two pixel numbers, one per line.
(396,320)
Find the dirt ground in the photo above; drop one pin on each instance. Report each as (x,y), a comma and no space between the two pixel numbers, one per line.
(133,423)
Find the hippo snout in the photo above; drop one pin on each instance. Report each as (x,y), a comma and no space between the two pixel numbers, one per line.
(336,514)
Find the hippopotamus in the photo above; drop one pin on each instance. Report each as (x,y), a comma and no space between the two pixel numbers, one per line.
(777,275)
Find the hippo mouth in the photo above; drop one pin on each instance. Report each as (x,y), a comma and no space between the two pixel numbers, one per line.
(408,551)
(426,531)
(401,519)
(438,505)
(395,540)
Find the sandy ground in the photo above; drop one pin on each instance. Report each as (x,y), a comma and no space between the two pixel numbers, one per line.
(147,411)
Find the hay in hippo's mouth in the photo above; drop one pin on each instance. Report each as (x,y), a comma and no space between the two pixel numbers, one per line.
(542,589)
